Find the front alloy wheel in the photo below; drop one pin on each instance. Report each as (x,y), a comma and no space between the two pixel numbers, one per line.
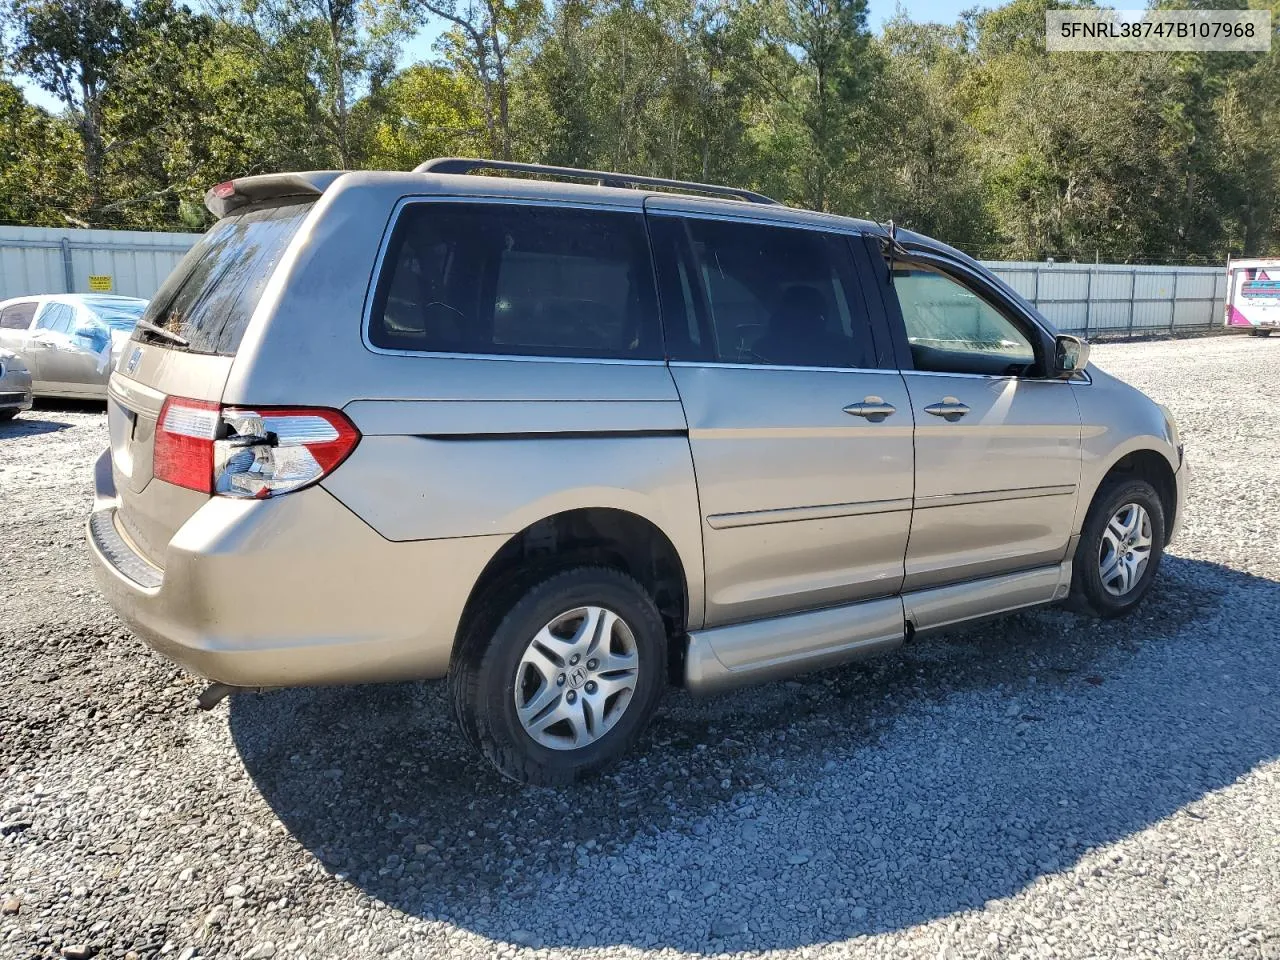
(1125,549)
(1120,547)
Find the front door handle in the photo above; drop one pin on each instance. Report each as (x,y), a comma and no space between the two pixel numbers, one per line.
(950,409)
(871,408)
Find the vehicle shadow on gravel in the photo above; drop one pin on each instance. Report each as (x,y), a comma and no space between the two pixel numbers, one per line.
(870,798)
(29,425)
(43,417)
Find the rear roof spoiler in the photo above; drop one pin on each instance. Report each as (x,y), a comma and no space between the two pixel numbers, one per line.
(227,197)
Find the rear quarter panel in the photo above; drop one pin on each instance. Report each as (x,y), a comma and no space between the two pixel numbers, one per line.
(438,469)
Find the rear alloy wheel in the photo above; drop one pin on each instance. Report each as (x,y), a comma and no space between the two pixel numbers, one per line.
(576,678)
(1120,548)
(562,676)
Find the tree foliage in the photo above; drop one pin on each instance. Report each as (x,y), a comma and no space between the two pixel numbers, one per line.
(969,131)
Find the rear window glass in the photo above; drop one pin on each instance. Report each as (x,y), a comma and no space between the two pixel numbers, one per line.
(516,279)
(210,297)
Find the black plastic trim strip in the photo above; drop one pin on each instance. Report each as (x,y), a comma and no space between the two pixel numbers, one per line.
(557,435)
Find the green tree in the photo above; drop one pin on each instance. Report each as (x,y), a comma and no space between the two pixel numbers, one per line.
(485,42)
(72,49)
(41,179)
(818,67)
(424,111)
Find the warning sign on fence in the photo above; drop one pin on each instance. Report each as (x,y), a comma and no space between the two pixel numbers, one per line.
(100,282)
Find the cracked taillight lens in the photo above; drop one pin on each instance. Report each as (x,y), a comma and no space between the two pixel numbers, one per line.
(267,452)
(254,453)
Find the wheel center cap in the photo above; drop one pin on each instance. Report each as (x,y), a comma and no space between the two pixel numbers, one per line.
(577,677)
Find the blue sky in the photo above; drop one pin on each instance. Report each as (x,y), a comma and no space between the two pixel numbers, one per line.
(878,12)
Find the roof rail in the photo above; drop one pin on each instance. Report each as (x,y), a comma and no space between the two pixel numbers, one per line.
(466,165)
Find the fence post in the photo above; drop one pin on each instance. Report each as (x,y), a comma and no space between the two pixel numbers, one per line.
(1133,297)
(1035,295)
(1088,300)
(68,273)
(1173,304)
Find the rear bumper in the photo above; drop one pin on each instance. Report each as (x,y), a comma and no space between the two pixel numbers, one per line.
(288,592)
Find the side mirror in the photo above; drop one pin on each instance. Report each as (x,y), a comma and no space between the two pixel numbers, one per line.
(1070,356)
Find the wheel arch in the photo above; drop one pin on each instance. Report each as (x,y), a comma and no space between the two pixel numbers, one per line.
(603,536)
(1147,463)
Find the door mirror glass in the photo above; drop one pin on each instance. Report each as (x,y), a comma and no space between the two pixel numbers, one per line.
(1070,355)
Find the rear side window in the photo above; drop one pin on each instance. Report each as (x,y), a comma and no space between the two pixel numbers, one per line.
(756,294)
(210,296)
(517,279)
(56,318)
(17,316)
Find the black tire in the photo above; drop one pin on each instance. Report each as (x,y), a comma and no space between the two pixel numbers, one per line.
(1088,594)
(7,415)
(483,674)
(1258,332)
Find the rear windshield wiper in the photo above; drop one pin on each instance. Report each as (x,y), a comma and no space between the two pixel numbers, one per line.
(164,334)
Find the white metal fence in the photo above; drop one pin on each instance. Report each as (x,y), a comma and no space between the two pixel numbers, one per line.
(1090,299)
(50,260)
(1105,299)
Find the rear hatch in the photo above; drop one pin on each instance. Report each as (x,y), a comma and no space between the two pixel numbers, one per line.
(184,347)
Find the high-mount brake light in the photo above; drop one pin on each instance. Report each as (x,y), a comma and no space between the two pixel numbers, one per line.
(253,453)
(225,191)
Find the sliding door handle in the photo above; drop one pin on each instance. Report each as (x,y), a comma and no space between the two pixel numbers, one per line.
(950,409)
(871,408)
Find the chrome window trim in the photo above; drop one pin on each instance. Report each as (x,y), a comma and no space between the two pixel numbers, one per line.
(385,245)
(1081,378)
(778,366)
(525,358)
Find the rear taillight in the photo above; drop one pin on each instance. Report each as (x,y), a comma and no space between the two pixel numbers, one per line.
(183,453)
(267,452)
(258,453)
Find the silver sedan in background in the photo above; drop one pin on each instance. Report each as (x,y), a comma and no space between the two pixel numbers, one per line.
(15,386)
(70,342)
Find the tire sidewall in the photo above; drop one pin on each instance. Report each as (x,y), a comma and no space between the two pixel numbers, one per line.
(1086,573)
(497,721)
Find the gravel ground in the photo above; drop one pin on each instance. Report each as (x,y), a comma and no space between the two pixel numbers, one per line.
(1043,786)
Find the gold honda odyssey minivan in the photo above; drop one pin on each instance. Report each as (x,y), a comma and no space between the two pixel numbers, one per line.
(566,443)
